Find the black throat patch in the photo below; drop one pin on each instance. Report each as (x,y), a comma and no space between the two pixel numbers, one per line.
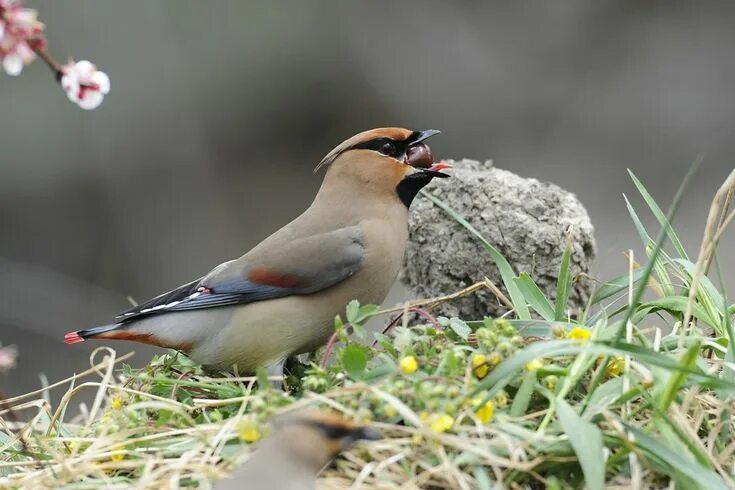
(411,185)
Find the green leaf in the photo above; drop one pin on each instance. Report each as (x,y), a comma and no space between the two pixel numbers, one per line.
(657,250)
(354,361)
(607,393)
(563,283)
(727,319)
(657,263)
(358,314)
(529,328)
(460,328)
(677,463)
(352,308)
(367,311)
(615,286)
(642,233)
(677,379)
(534,296)
(714,296)
(523,397)
(358,329)
(678,304)
(503,373)
(660,216)
(506,271)
(586,440)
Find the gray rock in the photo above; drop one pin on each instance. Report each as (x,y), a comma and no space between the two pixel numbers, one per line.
(526,220)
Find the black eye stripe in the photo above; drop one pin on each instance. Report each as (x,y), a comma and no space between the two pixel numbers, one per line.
(332,431)
(385,146)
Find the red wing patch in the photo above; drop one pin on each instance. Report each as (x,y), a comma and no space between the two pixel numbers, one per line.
(268,277)
(145,338)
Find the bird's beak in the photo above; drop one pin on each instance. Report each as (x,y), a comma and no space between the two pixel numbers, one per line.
(419,136)
(419,155)
(368,434)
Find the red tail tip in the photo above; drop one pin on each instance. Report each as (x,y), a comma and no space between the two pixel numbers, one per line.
(73,338)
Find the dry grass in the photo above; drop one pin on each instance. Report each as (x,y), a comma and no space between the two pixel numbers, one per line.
(603,399)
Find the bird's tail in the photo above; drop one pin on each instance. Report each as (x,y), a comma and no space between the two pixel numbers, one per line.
(89,333)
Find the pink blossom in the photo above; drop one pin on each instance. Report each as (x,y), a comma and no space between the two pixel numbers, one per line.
(7,357)
(84,84)
(20,32)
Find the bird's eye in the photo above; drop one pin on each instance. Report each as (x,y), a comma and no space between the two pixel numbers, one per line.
(388,149)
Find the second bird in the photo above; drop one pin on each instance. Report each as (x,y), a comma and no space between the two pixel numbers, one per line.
(280,298)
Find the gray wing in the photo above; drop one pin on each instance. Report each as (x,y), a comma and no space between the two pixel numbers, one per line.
(301,266)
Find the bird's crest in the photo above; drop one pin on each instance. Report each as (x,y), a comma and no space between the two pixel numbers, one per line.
(396,134)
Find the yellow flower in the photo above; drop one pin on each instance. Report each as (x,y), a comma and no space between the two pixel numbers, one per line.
(615,366)
(441,422)
(479,365)
(534,365)
(248,430)
(579,334)
(408,364)
(118,456)
(485,412)
(116,403)
(501,399)
(390,411)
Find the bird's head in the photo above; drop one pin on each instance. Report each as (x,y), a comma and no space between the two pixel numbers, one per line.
(394,160)
(315,437)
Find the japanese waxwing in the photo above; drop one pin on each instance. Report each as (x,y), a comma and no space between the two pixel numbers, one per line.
(280,298)
(292,456)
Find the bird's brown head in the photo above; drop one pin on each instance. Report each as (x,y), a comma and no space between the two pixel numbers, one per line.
(315,437)
(394,160)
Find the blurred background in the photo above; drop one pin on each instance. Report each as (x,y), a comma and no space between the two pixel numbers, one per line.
(220,110)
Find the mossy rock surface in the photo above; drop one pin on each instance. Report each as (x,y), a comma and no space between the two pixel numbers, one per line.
(525,219)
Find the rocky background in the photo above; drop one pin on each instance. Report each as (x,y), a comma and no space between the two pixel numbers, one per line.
(526,220)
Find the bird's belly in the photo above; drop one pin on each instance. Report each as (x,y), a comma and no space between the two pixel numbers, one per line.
(265,332)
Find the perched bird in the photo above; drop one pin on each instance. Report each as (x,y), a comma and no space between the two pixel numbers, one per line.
(280,298)
(294,454)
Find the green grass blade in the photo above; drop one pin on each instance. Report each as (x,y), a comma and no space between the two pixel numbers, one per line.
(676,437)
(675,461)
(640,289)
(660,216)
(534,296)
(564,282)
(727,320)
(660,239)
(506,271)
(677,379)
(678,304)
(707,293)
(648,244)
(500,376)
(642,233)
(586,440)
(615,286)
(522,398)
